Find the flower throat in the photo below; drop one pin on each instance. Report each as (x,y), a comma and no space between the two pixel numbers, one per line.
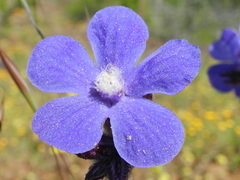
(109,82)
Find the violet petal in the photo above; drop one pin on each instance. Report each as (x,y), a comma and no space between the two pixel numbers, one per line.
(227,47)
(145,133)
(218,76)
(168,70)
(118,36)
(237,91)
(60,64)
(72,124)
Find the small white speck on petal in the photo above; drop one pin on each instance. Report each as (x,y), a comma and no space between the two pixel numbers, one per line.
(144,152)
(129,138)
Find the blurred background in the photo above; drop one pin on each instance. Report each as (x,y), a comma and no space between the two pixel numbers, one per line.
(211,119)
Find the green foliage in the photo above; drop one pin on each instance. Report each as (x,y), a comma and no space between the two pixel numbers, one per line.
(80,9)
(180,19)
(133,4)
(3,5)
(230,3)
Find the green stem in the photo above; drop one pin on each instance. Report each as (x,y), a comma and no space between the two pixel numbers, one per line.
(26,6)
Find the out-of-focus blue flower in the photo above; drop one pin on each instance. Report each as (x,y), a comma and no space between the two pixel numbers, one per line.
(145,133)
(226,76)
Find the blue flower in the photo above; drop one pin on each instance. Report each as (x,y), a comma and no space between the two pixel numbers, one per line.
(226,76)
(145,133)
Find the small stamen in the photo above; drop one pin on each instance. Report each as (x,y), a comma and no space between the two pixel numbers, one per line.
(109,82)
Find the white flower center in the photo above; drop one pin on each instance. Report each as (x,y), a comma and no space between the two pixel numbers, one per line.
(109,81)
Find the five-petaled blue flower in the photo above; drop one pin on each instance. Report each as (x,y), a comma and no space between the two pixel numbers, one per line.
(226,76)
(145,133)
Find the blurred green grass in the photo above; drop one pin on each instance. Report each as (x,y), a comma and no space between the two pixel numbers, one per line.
(211,119)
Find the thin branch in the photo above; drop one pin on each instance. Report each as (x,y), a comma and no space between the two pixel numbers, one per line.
(19,81)
(67,167)
(1,111)
(58,164)
(25,4)
(87,13)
